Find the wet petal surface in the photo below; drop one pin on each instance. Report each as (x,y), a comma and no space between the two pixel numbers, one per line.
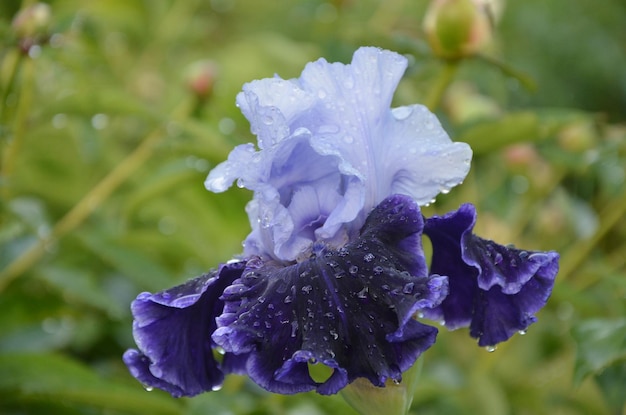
(349,309)
(173,329)
(332,130)
(494,289)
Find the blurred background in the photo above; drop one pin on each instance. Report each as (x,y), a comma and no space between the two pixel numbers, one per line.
(113,112)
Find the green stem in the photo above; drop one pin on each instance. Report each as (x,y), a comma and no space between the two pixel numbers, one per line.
(578,253)
(445,78)
(14,143)
(508,70)
(87,204)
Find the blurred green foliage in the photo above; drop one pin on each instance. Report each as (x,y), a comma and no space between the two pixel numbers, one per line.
(106,139)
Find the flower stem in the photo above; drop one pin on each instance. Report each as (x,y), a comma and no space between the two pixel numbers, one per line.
(578,253)
(508,70)
(15,138)
(445,78)
(88,203)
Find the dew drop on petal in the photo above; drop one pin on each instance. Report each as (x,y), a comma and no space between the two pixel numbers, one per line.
(491,349)
(215,388)
(362,293)
(401,113)
(522,332)
(369,257)
(408,288)
(148,388)
(306,289)
(353,269)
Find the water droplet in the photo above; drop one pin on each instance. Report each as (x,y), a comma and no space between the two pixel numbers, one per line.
(220,350)
(288,299)
(241,183)
(408,288)
(215,388)
(362,293)
(268,325)
(378,270)
(328,129)
(334,334)
(395,381)
(522,332)
(523,254)
(369,257)
(491,349)
(307,289)
(349,82)
(148,388)
(353,269)
(498,259)
(294,328)
(401,113)
(267,120)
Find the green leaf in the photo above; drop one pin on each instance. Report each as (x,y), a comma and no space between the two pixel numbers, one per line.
(29,379)
(488,136)
(130,262)
(601,343)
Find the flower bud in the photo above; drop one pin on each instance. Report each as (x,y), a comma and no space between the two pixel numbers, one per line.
(456,28)
(200,78)
(32,21)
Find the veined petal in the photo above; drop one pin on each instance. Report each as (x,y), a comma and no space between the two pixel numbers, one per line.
(173,329)
(333,129)
(349,309)
(495,290)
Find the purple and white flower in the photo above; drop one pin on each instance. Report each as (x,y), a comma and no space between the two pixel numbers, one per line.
(333,271)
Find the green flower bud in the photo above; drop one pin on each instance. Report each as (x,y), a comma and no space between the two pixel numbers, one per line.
(32,21)
(393,399)
(200,78)
(456,28)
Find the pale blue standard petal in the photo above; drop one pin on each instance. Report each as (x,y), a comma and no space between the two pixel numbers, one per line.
(496,290)
(332,131)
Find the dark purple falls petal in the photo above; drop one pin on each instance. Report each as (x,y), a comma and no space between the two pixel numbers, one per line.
(350,309)
(495,290)
(173,330)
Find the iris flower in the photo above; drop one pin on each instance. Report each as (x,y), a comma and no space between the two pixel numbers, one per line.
(334,272)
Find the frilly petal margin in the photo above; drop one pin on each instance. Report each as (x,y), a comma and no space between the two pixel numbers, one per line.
(494,289)
(333,129)
(349,309)
(173,329)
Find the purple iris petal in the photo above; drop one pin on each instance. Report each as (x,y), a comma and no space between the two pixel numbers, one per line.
(350,309)
(331,135)
(495,290)
(173,330)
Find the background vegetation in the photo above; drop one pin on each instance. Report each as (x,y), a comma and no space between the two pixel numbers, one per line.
(108,130)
